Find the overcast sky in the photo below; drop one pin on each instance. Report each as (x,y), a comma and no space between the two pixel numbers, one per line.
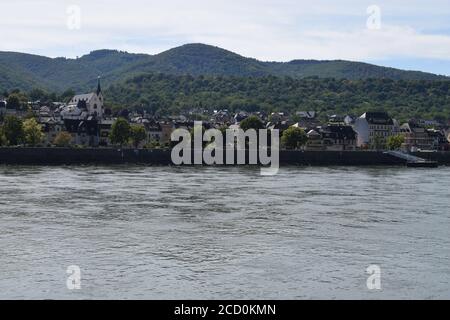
(408,34)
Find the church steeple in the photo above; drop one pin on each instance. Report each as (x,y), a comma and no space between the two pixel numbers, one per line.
(99,88)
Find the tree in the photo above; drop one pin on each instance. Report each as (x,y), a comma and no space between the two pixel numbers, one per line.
(395,142)
(17,100)
(13,102)
(13,130)
(378,143)
(138,134)
(252,122)
(294,138)
(37,94)
(32,132)
(120,132)
(63,139)
(67,95)
(3,140)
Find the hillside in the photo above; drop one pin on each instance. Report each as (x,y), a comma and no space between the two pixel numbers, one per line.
(26,71)
(171,93)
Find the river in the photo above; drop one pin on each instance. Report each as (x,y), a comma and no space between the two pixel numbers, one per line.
(142,232)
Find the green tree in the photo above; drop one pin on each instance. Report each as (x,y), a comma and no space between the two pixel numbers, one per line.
(13,102)
(63,139)
(67,95)
(252,122)
(294,138)
(13,130)
(17,100)
(378,143)
(37,94)
(395,142)
(138,134)
(32,132)
(3,140)
(120,132)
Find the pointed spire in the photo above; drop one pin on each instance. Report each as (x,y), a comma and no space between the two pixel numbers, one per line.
(99,88)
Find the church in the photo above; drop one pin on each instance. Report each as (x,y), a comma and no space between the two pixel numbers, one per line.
(92,102)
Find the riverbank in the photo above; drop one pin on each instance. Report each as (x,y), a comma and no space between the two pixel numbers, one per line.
(70,156)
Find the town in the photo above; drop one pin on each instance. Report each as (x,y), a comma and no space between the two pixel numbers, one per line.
(85,121)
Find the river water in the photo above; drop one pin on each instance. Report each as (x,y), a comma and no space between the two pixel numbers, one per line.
(224,233)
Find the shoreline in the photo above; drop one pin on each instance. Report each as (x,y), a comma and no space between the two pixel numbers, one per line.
(113,156)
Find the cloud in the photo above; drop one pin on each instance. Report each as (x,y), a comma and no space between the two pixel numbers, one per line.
(266,29)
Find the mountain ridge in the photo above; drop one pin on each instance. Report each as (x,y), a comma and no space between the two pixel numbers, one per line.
(25,71)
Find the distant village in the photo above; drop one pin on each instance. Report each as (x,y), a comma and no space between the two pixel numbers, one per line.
(88,123)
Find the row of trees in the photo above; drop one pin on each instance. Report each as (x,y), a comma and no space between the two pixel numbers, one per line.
(122,133)
(15,131)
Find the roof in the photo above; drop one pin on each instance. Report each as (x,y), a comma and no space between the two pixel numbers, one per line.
(313,133)
(380,117)
(339,132)
(306,114)
(85,97)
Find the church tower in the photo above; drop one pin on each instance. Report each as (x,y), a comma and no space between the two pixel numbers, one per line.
(99,88)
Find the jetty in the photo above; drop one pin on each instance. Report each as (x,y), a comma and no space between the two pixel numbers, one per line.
(413,161)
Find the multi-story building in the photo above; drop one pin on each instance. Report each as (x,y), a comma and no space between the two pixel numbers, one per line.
(333,137)
(373,129)
(105,127)
(416,137)
(440,141)
(154,131)
(51,128)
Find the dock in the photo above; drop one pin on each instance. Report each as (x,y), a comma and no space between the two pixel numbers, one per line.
(413,161)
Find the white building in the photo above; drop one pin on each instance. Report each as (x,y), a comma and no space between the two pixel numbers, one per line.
(92,102)
(372,126)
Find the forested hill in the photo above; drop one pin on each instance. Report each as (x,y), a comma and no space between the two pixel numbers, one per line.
(403,99)
(25,71)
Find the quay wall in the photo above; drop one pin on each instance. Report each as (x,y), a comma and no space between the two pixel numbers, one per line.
(442,157)
(105,156)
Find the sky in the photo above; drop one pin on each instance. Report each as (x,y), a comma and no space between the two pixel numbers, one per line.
(406,34)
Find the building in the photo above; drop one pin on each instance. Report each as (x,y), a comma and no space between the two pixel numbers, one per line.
(315,142)
(332,137)
(240,116)
(154,131)
(105,127)
(92,103)
(373,129)
(83,132)
(416,137)
(279,125)
(306,119)
(310,115)
(440,141)
(221,116)
(2,107)
(51,128)
(166,131)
